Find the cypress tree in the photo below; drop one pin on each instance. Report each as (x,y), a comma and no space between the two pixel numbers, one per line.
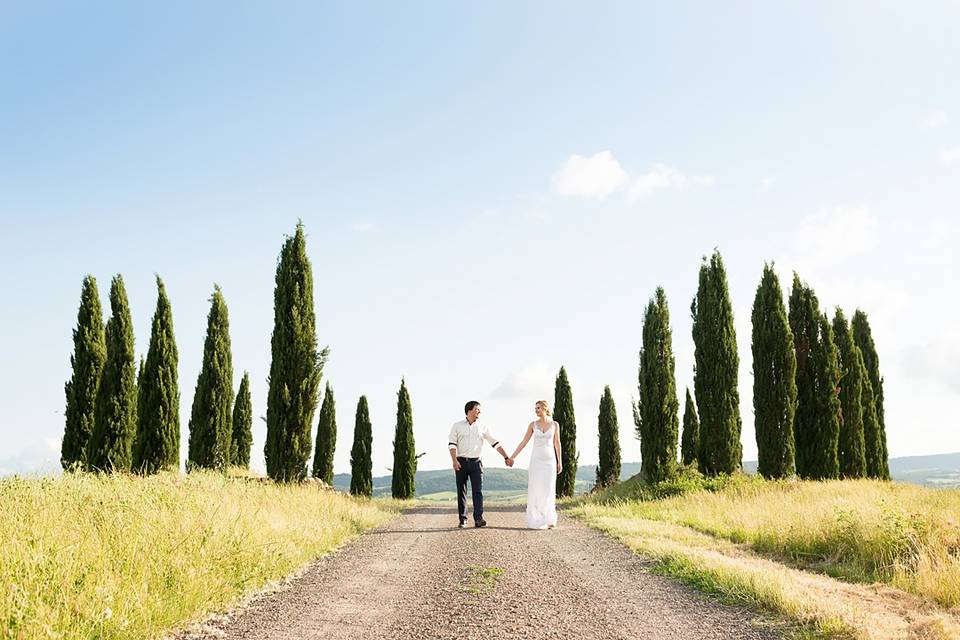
(157,445)
(110,444)
(242,434)
(563,414)
(210,419)
(404,453)
(89,355)
(715,371)
(657,405)
(326,438)
(863,337)
(361,464)
(816,425)
(874,461)
(690,440)
(296,366)
(608,469)
(850,451)
(774,379)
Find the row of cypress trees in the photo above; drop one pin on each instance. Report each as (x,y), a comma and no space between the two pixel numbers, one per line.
(818,394)
(119,420)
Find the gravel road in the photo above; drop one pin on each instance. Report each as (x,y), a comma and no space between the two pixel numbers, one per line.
(421,577)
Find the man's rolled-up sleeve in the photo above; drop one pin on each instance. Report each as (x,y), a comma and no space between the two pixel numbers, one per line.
(489,437)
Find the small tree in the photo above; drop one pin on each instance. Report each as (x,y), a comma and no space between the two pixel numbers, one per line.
(242,435)
(716,369)
(110,443)
(657,405)
(296,365)
(361,465)
(326,438)
(89,355)
(608,469)
(774,379)
(851,444)
(690,440)
(564,415)
(157,446)
(210,419)
(404,454)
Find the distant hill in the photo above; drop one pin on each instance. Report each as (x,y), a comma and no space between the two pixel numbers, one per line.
(941,470)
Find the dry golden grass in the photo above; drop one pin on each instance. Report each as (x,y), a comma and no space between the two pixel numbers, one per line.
(749,539)
(87,556)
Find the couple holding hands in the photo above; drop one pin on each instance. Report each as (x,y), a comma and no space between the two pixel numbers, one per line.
(466,445)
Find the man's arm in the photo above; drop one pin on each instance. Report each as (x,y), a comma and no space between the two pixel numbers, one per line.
(453,447)
(496,445)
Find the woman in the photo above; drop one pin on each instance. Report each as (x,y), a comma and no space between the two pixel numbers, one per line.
(544,467)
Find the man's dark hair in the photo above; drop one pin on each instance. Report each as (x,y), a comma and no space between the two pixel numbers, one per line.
(467,408)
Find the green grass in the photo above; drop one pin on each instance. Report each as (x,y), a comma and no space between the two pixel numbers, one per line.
(86,556)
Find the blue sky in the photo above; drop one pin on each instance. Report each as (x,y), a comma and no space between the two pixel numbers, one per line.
(490,192)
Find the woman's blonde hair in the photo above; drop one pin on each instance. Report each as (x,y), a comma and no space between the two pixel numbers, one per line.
(546,407)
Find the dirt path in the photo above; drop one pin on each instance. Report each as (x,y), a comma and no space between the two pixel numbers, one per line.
(421,577)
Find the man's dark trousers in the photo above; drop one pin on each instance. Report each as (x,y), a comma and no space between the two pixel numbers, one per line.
(470,468)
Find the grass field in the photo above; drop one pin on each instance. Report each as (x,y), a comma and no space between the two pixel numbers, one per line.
(83,556)
(721,534)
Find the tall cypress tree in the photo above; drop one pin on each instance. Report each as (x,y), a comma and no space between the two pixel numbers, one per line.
(850,451)
(110,444)
(715,373)
(296,366)
(816,425)
(326,438)
(211,418)
(874,460)
(361,464)
(157,445)
(242,434)
(404,449)
(657,405)
(774,379)
(564,415)
(89,355)
(608,469)
(690,439)
(863,337)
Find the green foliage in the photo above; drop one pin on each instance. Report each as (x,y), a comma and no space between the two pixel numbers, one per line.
(690,439)
(774,379)
(110,444)
(211,420)
(715,373)
(361,464)
(817,423)
(850,451)
(657,405)
(564,416)
(608,470)
(296,366)
(685,480)
(157,445)
(863,337)
(404,448)
(242,435)
(874,460)
(326,438)
(89,355)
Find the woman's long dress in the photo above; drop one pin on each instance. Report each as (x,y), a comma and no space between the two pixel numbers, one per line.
(542,480)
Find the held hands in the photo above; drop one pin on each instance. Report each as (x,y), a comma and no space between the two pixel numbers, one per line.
(509,461)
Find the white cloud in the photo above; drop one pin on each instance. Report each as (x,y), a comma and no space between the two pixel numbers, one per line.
(950,156)
(595,177)
(535,380)
(935,118)
(364,227)
(601,175)
(833,235)
(767,183)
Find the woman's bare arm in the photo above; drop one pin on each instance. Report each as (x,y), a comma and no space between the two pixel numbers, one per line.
(523,443)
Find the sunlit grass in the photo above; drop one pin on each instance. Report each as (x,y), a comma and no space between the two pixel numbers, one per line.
(86,556)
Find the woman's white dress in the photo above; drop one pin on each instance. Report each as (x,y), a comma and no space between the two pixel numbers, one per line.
(542,480)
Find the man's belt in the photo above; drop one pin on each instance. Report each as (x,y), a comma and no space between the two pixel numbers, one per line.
(467,459)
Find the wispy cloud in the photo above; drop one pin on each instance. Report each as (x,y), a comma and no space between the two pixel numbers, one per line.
(835,234)
(364,226)
(601,175)
(935,118)
(532,381)
(950,156)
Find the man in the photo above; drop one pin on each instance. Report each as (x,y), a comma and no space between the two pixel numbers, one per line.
(466,445)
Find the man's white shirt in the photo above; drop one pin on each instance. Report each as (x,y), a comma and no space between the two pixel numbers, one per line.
(468,438)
